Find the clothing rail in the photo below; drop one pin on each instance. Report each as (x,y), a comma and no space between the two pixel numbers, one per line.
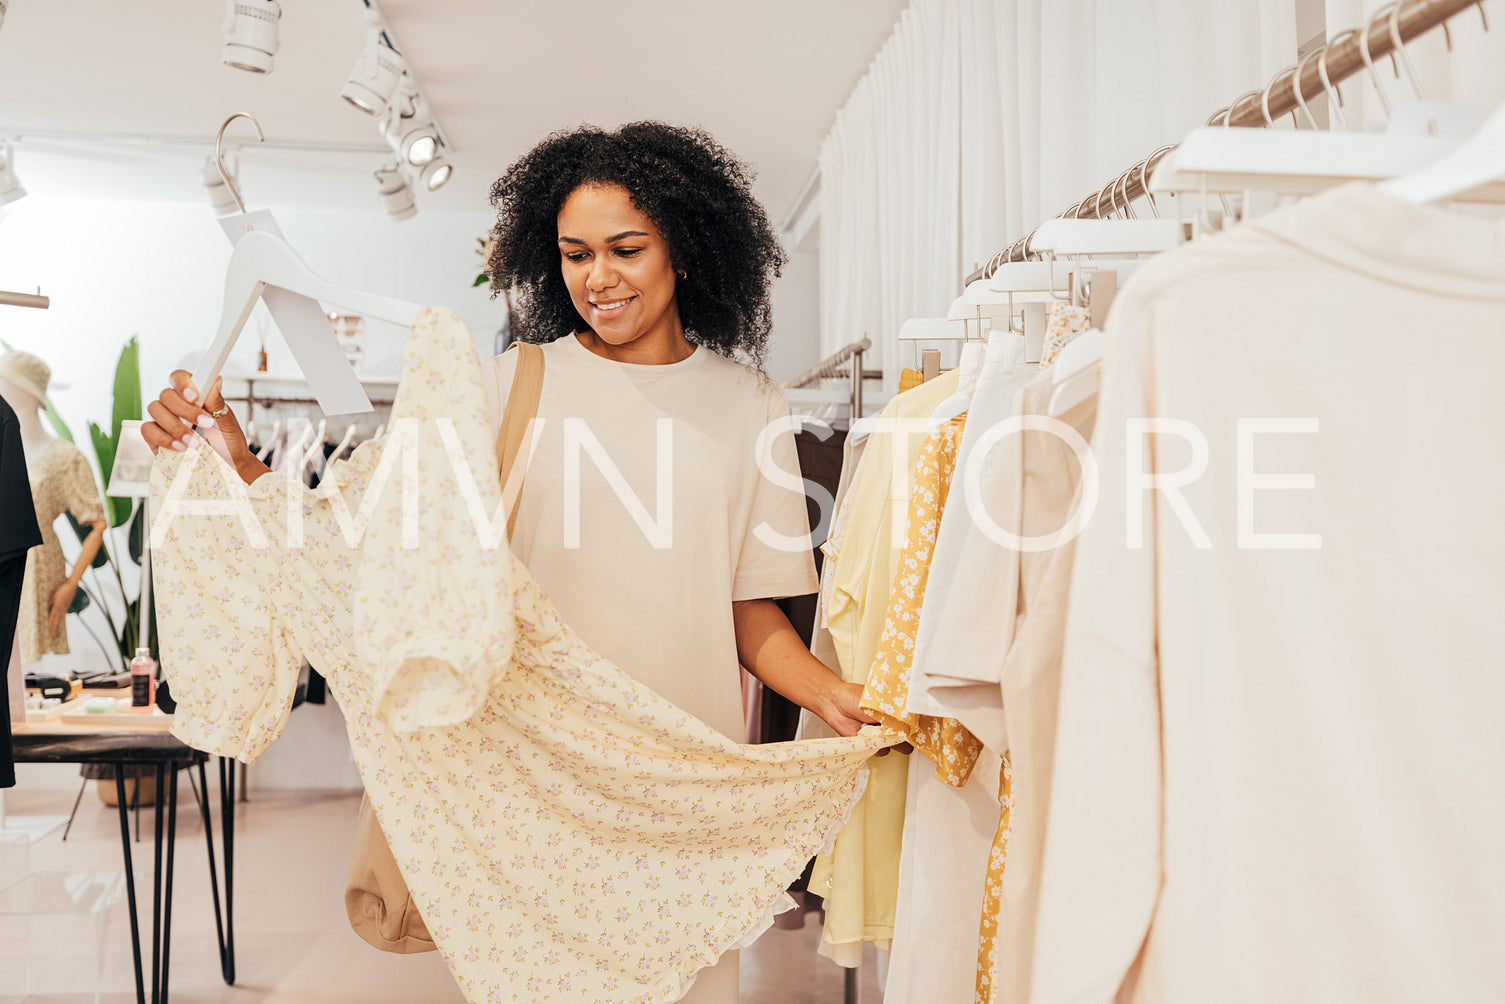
(836,365)
(1316,74)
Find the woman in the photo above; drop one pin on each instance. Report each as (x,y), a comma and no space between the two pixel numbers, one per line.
(644,263)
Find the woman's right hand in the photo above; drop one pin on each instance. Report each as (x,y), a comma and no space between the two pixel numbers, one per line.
(177,415)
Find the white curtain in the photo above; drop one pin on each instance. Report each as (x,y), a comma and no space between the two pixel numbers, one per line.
(979,118)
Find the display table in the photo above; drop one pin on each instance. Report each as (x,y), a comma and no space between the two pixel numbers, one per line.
(121,745)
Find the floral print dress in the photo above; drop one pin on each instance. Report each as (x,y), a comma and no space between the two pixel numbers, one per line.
(568,834)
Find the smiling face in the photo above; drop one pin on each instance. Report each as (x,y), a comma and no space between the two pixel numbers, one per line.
(617,268)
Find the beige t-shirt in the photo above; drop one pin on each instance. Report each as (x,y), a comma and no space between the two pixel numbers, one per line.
(641,511)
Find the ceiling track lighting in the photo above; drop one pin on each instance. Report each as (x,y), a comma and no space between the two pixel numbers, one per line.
(220,195)
(251,34)
(382,84)
(378,71)
(10,185)
(409,127)
(396,191)
(435,173)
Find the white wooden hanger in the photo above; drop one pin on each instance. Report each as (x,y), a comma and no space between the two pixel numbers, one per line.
(969,366)
(1474,168)
(316,450)
(342,445)
(1065,237)
(260,260)
(1302,163)
(1075,372)
(271,443)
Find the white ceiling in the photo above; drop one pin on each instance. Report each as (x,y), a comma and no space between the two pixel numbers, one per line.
(765,77)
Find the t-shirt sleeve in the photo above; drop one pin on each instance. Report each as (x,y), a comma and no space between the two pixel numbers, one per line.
(776,559)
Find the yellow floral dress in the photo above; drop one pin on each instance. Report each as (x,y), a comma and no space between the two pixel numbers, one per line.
(1064,324)
(568,834)
(944,740)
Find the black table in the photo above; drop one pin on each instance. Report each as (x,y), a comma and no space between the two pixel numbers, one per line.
(122,748)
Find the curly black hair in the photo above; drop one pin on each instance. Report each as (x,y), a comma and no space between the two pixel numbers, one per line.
(695,191)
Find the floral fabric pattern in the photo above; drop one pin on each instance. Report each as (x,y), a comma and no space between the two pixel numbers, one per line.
(1062,326)
(944,740)
(568,834)
(992,903)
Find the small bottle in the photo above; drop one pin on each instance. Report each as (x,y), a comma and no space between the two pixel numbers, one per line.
(143,679)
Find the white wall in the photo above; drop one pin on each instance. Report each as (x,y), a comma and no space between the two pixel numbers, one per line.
(795,344)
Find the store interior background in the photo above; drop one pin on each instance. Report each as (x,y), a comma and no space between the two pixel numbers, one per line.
(118,231)
(112,106)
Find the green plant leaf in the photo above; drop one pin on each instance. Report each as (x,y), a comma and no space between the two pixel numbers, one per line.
(481,280)
(101,557)
(127,407)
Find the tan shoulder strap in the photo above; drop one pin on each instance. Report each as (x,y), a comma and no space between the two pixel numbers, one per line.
(522,407)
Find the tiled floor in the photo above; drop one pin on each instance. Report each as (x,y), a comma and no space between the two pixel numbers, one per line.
(292,941)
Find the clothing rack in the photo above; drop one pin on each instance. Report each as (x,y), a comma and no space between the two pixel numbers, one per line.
(843,362)
(1316,74)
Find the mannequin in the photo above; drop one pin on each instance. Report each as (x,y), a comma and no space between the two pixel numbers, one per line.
(60,480)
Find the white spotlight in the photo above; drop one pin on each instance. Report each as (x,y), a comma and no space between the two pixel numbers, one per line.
(10,185)
(408,126)
(435,173)
(396,192)
(251,34)
(219,192)
(376,73)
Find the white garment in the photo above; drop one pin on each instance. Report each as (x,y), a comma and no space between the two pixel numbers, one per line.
(1277,770)
(967,620)
(630,599)
(948,833)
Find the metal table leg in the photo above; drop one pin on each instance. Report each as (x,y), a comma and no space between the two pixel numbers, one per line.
(130,880)
(157,881)
(227,820)
(172,832)
(226,949)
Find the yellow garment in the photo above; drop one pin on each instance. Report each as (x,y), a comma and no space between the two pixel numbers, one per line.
(992,902)
(910,379)
(944,740)
(568,834)
(860,878)
(1065,322)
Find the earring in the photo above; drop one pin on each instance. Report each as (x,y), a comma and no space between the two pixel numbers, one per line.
(683,274)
